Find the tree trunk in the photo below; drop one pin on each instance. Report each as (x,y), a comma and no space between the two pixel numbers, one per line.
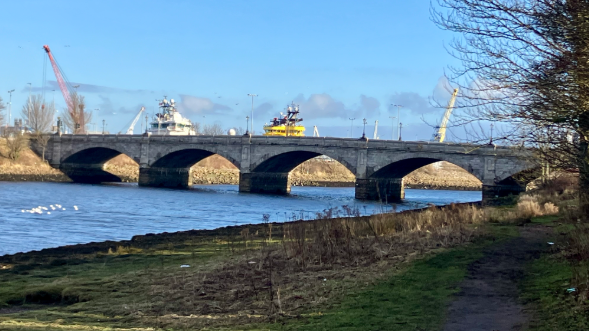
(584,181)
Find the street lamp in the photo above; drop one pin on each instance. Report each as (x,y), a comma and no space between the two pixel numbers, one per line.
(103,127)
(9,106)
(364,129)
(398,119)
(400,127)
(247,119)
(352,127)
(392,127)
(491,141)
(252,124)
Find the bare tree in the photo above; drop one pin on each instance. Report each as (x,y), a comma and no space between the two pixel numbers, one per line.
(78,118)
(38,115)
(2,107)
(213,130)
(196,127)
(525,64)
(16,142)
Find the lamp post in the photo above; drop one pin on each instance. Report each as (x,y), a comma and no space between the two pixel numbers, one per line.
(398,119)
(400,127)
(392,127)
(9,106)
(352,127)
(491,141)
(364,129)
(103,127)
(252,123)
(247,119)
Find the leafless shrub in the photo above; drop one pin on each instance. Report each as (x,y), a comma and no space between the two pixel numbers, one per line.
(16,142)
(213,130)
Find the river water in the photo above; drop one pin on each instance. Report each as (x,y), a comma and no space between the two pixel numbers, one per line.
(120,211)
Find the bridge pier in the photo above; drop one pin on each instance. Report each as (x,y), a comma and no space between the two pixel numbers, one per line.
(381,189)
(264,182)
(491,192)
(88,173)
(165,177)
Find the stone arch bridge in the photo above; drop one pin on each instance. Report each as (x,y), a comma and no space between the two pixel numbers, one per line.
(265,162)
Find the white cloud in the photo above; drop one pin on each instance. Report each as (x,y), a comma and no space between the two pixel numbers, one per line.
(191,105)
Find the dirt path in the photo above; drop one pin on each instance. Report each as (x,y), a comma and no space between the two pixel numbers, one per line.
(488,297)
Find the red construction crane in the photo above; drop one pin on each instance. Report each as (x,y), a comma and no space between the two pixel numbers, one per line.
(79,127)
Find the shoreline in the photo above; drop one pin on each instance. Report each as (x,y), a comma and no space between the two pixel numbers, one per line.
(197,180)
(148,239)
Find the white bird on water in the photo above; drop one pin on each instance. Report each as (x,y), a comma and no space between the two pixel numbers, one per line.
(75,207)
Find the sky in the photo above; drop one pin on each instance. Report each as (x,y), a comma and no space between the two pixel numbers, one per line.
(336,59)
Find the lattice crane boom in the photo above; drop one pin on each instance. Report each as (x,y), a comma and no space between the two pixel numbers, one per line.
(440,133)
(60,81)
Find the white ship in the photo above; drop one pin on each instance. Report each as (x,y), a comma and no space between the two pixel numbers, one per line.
(169,121)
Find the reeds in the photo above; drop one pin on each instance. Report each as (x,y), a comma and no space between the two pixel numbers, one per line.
(337,240)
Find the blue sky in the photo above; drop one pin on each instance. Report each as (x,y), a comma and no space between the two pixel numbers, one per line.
(337,59)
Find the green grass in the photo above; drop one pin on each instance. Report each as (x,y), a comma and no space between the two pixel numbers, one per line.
(90,292)
(545,288)
(413,299)
(547,220)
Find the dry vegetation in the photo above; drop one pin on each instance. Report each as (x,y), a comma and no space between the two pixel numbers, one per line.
(304,264)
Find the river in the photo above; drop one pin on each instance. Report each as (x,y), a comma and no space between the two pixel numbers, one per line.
(120,211)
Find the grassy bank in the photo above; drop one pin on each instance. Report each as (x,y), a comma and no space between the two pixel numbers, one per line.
(388,271)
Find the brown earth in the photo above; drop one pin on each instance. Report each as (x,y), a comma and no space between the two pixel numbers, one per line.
(217,170)
(488,299)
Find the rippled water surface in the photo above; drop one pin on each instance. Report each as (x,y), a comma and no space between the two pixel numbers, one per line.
(120,211)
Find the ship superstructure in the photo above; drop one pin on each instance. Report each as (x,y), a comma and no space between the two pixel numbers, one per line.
(286,125)
(169,121)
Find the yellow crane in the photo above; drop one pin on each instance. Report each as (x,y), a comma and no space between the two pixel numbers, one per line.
(440,133)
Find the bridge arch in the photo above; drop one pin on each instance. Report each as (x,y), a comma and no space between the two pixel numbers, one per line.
(86,165)
(270,172)
(403,164)
(186,157)
(93,155)
(499,176)
(171,166)
(286,161)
